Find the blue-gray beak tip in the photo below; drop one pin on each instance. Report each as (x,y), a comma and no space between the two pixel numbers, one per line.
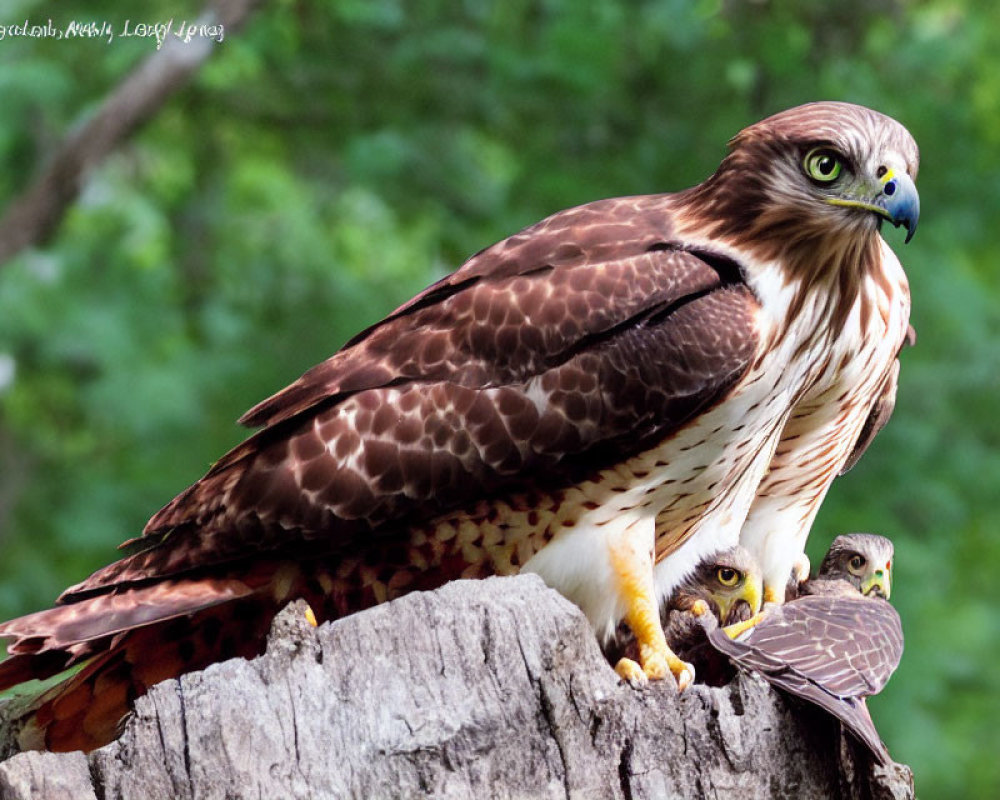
(902,202)
(911,228)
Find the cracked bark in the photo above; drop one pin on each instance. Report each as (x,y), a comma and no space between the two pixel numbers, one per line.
(484,689)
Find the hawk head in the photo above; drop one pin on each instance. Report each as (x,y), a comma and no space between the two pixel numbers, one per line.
(864,560)
(830,171)
(729,582)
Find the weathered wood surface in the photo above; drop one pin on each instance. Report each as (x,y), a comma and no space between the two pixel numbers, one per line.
(482,689)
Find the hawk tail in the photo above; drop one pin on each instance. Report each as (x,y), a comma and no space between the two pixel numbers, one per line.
(86,710)
(127,642)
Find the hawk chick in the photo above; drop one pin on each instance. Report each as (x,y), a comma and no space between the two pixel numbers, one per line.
(837,643)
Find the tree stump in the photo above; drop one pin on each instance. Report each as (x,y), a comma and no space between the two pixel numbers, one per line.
(484,689)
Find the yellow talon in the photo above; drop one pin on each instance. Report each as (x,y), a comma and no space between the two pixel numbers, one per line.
(642,615)
(682,671)
(630,671)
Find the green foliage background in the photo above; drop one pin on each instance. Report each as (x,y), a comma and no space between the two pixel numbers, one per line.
(334,158)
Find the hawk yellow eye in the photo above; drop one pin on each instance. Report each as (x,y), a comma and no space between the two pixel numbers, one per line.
(727,576)
(857,563)
(823,165)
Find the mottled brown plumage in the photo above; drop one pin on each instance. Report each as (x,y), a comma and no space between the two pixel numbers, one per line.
(665,373)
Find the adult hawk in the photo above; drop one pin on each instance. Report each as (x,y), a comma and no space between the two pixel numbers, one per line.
(837,643)
(603,398)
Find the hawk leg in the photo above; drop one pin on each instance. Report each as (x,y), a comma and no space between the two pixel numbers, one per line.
(773,594)
(642,615)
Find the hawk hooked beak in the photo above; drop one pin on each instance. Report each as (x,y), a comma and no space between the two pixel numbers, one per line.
(897,200)
(879,584)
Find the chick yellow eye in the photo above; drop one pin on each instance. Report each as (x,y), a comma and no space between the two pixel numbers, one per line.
(857,563)
(727,576)
(822,165)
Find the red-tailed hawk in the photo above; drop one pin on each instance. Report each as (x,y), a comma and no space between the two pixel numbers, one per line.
(837,643)
(604,399)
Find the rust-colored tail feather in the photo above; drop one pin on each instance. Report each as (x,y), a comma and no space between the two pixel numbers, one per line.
(86,711)
(132,639)
(50,641)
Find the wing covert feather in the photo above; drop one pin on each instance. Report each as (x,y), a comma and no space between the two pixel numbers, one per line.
(848,646)
(515,308)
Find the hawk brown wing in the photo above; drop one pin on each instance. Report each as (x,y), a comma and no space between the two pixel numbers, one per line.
(545,358)
(516,308)
(832,651)
(556,353)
